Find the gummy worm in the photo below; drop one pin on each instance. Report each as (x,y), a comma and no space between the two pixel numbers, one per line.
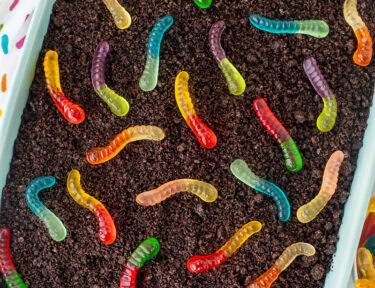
(365,263)
(72,112)
(107,229)
(144,252)
(205,191)
(315,28)
(118,105)
(327,118)
(241,171)
(120,15)
(55,227)
(363,54)
(11,277)
(236,83)
(293,160)
(370,244)
(197,264)
(309,211)
(364,283)
(203,3)
(150,74)
(103,154)
(283,262)
(368,229)
(181,87)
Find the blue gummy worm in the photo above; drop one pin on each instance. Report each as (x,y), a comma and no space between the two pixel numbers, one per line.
(278,196)
(55,227)
(274,26)
(156,35)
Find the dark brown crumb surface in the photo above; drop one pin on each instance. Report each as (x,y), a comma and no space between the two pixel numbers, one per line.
(185,226)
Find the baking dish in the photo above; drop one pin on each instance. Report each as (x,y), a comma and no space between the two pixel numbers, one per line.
(341,274)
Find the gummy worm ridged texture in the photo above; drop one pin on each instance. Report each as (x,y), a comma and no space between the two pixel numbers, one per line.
(118,105)
(72,112)
(283,262)
(309,211)
(198,264)
(203,3)
(120,15)
(293,160)
(205,191)
(55,227)
(236,83)
(103,154)
(107,229)
(327,118)
(144,252)
(11,277)
(149,78)
(205,136)
(363,54)
(315,28)
(365,263)
(242,171)
(364,283)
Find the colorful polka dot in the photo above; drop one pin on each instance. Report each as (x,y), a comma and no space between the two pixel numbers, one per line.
(19,44)
(14,4)
(4,83)
(4,43)
(1,27)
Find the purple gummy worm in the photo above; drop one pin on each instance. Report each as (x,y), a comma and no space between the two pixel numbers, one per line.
(214,38)
(98,65)
(316,77)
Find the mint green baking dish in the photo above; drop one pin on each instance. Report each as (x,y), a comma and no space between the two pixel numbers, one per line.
(340,276)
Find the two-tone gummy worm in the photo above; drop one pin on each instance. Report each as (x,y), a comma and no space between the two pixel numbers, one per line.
(315,28)
(293,160)
(327,118)
(54,225)
(236,83)
(364,283)
(241,171)
(368,229)
(120,15)
(283,262)
(309,211)
(365,263)
(203,190)
(100,155)
(11,277)
(107,229)
(184,102)
(118,105)
(150,74)
(144,252)
(363,54)
(72,112)
(203,3)
(198,264)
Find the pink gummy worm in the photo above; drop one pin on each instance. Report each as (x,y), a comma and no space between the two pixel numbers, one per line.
(6,264)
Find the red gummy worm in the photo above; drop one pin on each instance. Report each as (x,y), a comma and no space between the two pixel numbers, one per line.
(270,121)
(129,276)
(6,264)
(107,230)
(368,229)
(197,264)
(72,112)
(204,134)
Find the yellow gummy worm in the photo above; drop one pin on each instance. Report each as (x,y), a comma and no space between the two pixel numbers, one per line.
(364,283)
(183,98)
(292,252)
(309,211)
(371,206)
(120,15)
(103,154)
(365,263)
(240,237)
(205,191)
